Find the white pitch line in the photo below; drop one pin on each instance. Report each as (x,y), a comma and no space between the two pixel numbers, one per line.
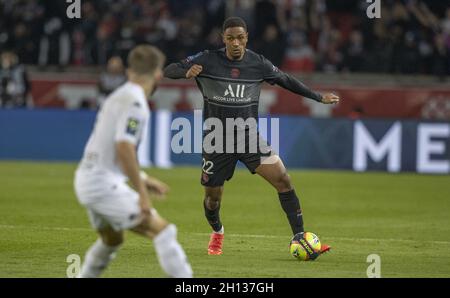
(43,228)
(239,235)
(335,238)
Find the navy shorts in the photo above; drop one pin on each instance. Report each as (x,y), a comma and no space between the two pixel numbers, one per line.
(217,167)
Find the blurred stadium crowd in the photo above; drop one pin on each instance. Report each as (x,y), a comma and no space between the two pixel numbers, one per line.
(298,35)
(411,37)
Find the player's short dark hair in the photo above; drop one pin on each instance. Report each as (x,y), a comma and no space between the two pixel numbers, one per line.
(234,22)
(145,59)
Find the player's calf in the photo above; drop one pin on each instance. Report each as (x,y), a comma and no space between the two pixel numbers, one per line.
(211,205)
(111,237)
(291,206)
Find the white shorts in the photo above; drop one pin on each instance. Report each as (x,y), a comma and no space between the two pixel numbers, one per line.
(109,201)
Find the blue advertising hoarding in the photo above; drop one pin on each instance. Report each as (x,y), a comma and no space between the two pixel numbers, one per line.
(175,139)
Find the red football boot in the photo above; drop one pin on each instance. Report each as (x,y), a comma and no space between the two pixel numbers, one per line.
(324,248)
(215,244)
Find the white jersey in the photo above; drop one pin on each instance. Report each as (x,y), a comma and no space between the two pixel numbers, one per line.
(123,117)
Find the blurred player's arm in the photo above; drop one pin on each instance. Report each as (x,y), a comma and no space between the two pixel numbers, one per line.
(130,127)
(156,187)
(145,185)
(126,155)
(275,76)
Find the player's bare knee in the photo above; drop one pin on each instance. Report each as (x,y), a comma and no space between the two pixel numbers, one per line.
(213,198)
(145,222)
(157,224)
(112,238)
(271,160)
(284,183)
(151,225)
(212,202)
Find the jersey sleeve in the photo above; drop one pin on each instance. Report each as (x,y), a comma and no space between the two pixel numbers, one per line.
(273,75)
(178,70)
(131,124)
(270,71)
(198,58)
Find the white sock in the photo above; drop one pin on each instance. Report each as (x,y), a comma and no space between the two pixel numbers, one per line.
(171,256)
(97,259)
(221,231)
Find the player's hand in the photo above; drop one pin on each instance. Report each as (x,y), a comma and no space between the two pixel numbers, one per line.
(330,98)
(194,71)
(156,188)
(144,203)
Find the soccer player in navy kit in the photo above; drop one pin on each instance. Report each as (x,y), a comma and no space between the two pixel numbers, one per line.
(230,80)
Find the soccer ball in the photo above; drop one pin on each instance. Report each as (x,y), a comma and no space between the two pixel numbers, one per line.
(305,246)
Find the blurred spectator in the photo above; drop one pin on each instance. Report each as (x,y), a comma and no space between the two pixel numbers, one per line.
(441,63)
(214,39)
(103,46)
(215,13)
(21,28)
(126,40)
(409,55)
(272,45)
(79,51)
(446,26)
(265,14)
(244,9)
(299,54)
(190,33)
(14,84)
(167,25)
(54,47)
(425,49)
(54,29)
(87,30)
(353,52)
(379,44)
(329,48)
(111,78)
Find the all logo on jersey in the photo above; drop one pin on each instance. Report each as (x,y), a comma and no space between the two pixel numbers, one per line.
(132,126)
(237,92)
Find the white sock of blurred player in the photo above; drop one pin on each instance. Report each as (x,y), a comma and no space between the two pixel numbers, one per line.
(171,256)
(97,259)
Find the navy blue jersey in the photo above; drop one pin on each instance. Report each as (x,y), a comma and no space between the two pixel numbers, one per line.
(231,88)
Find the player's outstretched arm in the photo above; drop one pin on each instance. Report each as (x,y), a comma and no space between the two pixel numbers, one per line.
(273,75)
(177,71)
(292,84)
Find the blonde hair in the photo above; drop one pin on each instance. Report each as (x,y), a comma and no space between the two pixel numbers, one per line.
(145,59)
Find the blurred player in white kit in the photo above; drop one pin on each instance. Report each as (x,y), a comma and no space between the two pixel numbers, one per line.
(110,159)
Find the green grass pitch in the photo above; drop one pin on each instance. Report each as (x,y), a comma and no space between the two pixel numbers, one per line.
(404,218)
